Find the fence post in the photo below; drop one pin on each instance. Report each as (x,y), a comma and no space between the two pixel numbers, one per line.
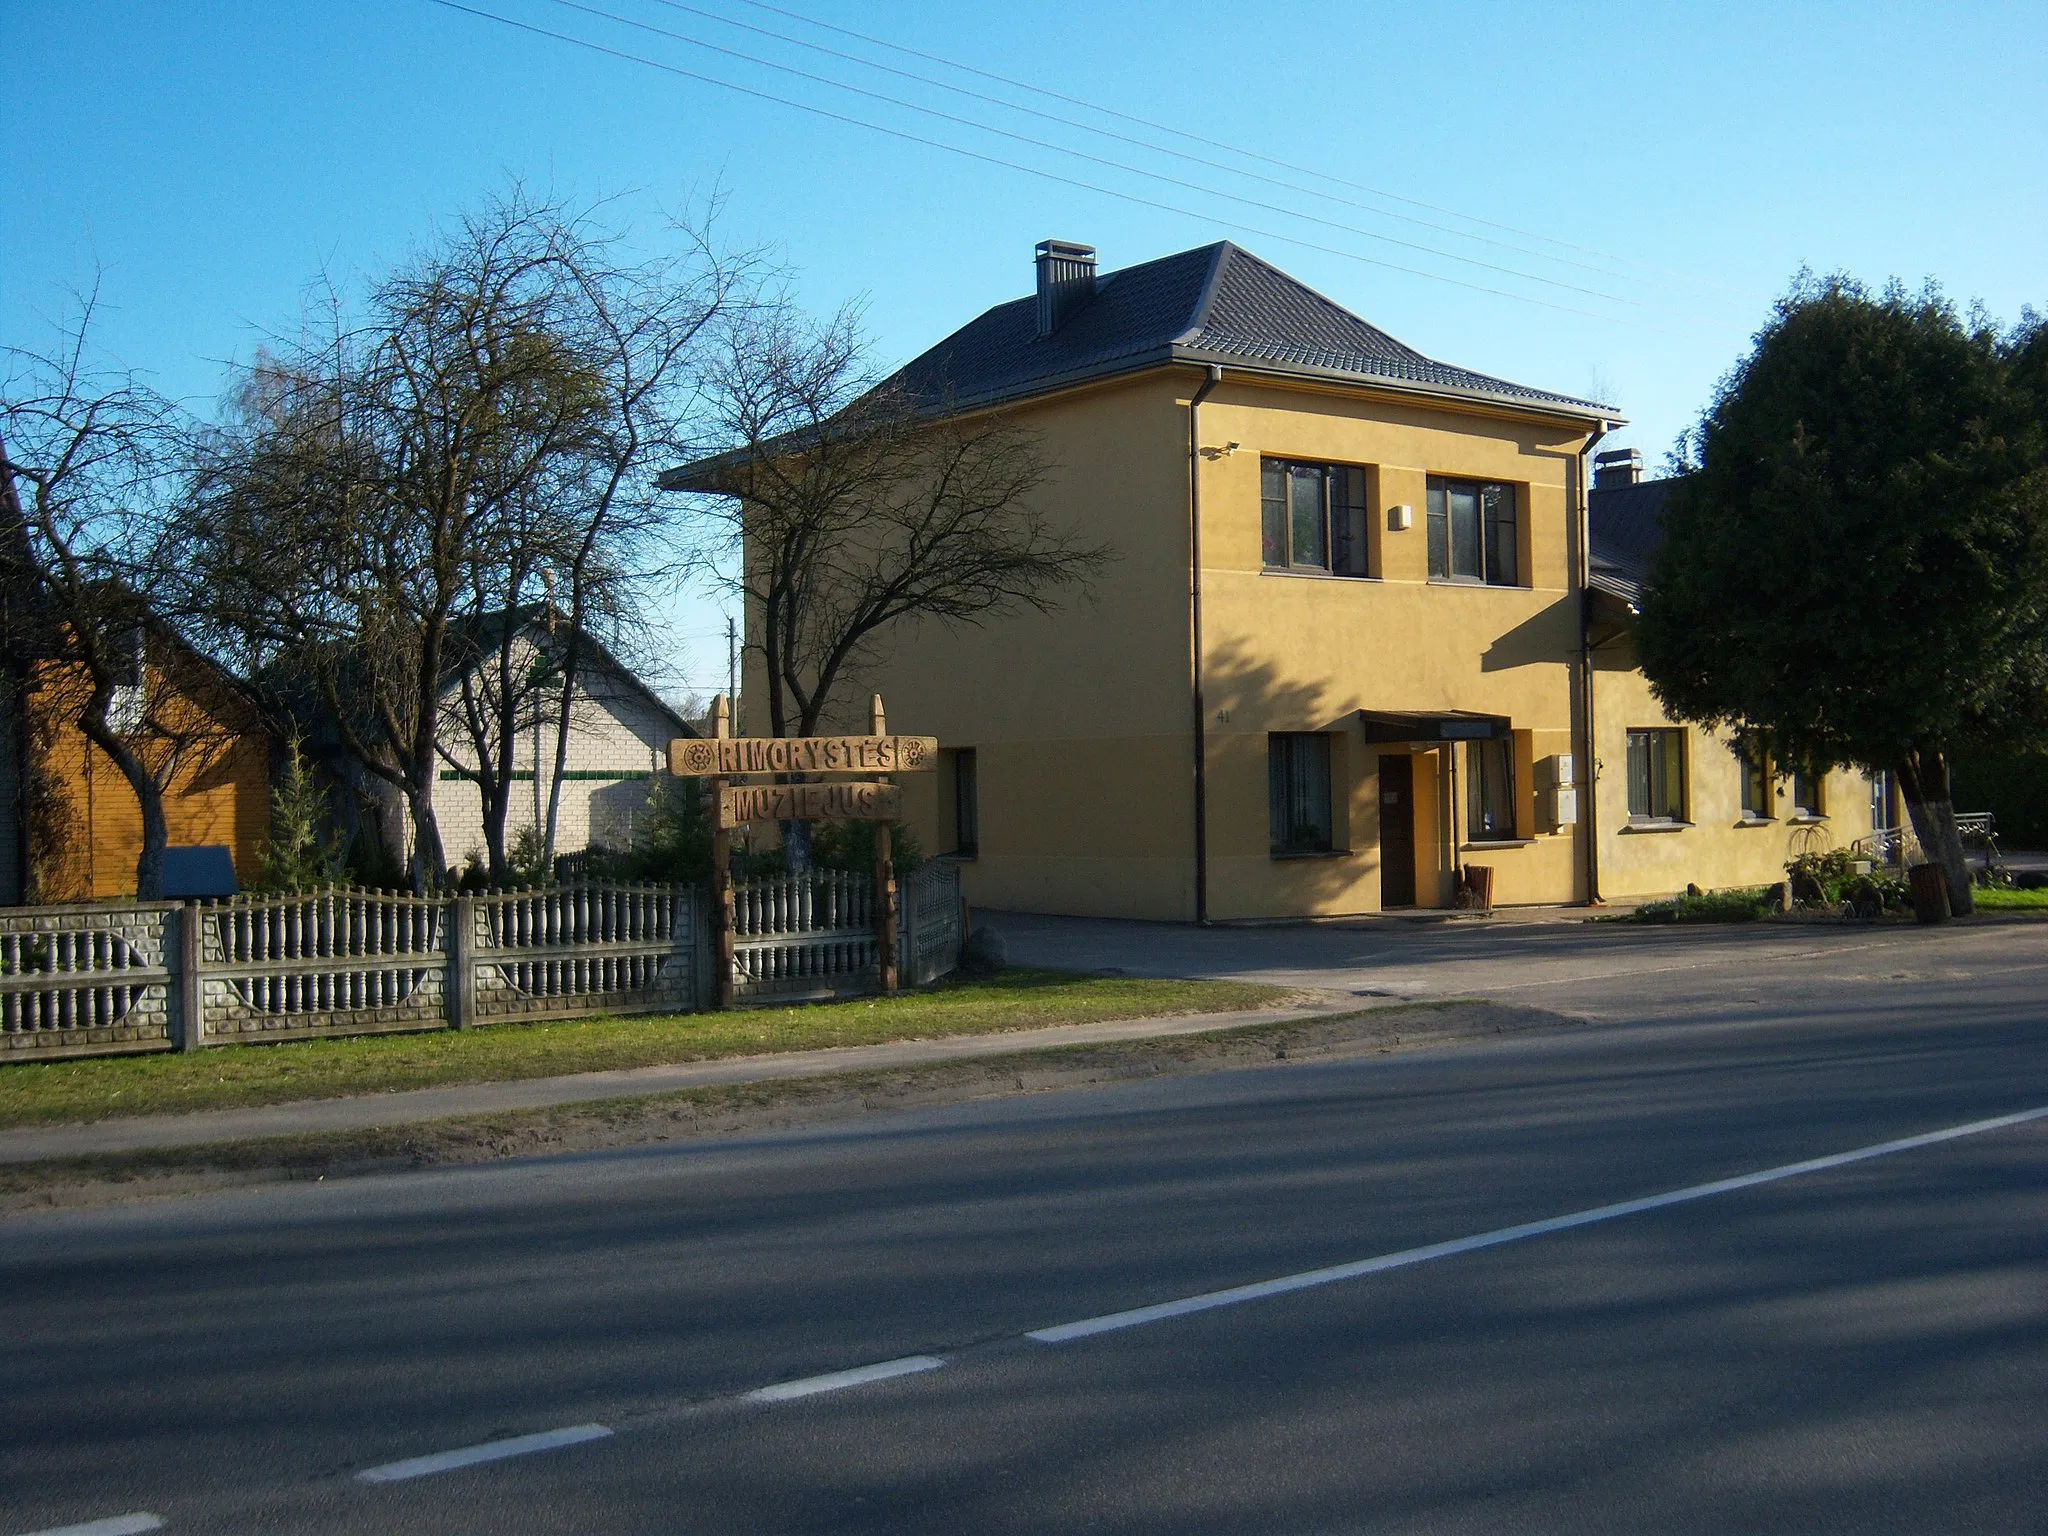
(191,984)
(721,861)
(461,983)
(885,871)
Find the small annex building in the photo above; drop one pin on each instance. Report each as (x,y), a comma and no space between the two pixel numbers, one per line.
(1679,805)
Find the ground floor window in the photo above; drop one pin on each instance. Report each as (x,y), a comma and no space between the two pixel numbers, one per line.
(1808,796)
(1755,769)
(966,805)
(1656,775)
(1298,792)
(1489,791)
(1883,818)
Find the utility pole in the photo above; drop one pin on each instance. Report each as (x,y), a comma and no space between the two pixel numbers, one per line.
(732,672)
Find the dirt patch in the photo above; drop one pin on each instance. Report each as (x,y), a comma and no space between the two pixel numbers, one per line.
(699,1112)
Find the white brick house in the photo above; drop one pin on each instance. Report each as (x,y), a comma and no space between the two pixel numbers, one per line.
(619,733)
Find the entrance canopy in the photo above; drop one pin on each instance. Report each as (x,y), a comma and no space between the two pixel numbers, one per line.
(1385,728)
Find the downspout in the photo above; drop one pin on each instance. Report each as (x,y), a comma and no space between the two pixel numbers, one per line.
(1200,707)
(1588,773)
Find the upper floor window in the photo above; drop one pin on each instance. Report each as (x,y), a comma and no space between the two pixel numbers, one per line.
(1656,775)
(128,705)
(1298,792)
(1313,517)
(1473,533)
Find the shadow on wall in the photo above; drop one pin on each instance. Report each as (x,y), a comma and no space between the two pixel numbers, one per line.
(1547,638)
(618,811)
(1239,684)
(1246,695)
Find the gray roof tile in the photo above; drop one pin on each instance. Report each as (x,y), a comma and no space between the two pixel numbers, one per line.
(1214,303)
(1624,523)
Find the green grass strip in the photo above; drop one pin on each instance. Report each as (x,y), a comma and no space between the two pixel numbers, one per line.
(237,1076)
(1993,898)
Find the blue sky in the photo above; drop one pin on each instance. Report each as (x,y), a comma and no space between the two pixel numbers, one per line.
(1650,178)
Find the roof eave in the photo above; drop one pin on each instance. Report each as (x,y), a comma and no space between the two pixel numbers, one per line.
(1571,410)
(699,475)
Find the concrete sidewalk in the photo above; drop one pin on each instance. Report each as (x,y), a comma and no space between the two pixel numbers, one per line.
(148,1132)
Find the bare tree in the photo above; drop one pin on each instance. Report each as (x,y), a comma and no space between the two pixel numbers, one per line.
(846,507)
(86,460)
(418,481)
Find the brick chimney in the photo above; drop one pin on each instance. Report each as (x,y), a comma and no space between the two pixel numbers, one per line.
(1066,282)
(1616,468)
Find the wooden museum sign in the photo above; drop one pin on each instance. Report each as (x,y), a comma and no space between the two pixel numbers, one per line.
(733,756)
(739,804)
(722,757)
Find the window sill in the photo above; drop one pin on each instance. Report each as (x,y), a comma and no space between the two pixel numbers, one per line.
(1655,826)
(962,855)
(1281,570)
(1757,821)
(1318,853)
(1806,819)
(1475,582)
(1497,842)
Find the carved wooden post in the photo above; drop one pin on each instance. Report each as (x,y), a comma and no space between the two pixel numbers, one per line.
(885,868)
(721,863)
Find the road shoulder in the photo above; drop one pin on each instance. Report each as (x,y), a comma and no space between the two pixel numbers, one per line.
(978,1068)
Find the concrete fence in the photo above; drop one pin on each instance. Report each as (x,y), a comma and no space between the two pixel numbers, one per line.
(158,976)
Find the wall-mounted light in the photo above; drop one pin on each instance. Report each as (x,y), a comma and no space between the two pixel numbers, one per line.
(1221,453)
(1400,517)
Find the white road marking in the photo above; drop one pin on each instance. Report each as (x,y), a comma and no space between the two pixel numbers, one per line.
(490,1450)
(113,1525)
(1110,1322)
(784,1391)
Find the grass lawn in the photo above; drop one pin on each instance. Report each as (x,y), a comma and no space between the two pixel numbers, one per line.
(232,1076)
(1992,898)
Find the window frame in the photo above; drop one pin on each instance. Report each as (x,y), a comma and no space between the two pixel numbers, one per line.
(1284,782)
(1501,826)
(1808,785)
(1359,513)
(1663,745)
(966,804)
(1498,552)
(1753,780)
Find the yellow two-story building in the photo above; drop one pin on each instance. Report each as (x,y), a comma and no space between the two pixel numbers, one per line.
(1348,647)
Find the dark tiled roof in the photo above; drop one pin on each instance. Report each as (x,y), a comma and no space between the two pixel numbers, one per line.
(1624,524)
(1217,303)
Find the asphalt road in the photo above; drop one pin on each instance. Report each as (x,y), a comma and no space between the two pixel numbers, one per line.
(1859,1347)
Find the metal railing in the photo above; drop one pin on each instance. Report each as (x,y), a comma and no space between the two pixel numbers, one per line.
(1900,846)
(934,927)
